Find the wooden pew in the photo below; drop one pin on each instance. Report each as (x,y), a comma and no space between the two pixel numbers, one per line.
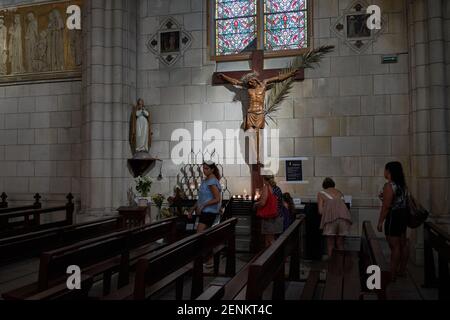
(60,291)
(438,239)
(311,285)
(102,255)
(5,209)
(266,267)
(347,277)
(34,243)
(174,262)
(372,254)
(228,288)
(11,228)
(343,277)
(270,266)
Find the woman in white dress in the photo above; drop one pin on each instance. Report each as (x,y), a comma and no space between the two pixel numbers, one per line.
(140,134)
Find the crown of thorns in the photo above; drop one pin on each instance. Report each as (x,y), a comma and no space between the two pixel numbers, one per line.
(252,75)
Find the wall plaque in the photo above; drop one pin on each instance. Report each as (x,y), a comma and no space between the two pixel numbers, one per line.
(170,42)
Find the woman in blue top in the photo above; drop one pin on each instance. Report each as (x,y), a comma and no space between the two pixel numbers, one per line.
(209,197)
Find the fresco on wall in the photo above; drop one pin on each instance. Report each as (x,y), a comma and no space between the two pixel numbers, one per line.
(35,43)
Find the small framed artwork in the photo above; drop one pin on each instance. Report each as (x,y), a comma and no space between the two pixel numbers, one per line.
(170,41)
(357,26)
(351,26)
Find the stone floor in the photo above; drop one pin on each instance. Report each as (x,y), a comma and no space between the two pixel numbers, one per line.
(25,272)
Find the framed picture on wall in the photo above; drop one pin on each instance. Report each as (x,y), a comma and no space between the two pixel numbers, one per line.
(170,41)
(357,26)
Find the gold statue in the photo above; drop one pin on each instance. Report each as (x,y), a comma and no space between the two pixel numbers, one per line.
(256,90)
(140,133)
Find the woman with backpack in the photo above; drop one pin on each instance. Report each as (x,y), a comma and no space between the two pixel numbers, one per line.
(394,215)
(269,208)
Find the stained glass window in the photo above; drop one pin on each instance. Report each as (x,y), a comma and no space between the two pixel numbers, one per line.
(285,24)
(235,26)
(240,27)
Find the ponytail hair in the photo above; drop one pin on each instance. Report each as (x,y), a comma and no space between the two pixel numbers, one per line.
(214,169)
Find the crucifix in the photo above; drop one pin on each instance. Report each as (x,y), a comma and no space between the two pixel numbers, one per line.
(256,81)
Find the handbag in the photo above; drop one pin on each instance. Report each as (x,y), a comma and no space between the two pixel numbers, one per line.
(270,209)
(417,214)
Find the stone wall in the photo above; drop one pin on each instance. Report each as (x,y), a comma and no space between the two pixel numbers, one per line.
(40,139)
(428,42)
(350,116)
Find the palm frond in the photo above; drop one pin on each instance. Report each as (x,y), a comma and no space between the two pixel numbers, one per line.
(280,91)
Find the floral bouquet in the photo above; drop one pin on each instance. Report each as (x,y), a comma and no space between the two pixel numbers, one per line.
(158,200)
(143,186)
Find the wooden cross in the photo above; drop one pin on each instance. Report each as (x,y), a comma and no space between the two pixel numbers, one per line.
(257,65)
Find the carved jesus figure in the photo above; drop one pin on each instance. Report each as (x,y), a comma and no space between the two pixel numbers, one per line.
(256,90)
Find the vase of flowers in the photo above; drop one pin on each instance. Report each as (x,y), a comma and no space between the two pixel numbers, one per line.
(143,187)
(158,200)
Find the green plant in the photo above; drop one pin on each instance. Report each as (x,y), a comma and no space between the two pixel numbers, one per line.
(280,90)
(143,186)
(158,200)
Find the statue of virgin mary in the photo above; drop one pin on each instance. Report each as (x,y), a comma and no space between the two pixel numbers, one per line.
(140,133)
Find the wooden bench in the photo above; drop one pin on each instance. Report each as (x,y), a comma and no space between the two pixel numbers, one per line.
(311,284)
(347,270)
(4,208)
(372,254)
(343,277)
(60,291)
(102,255)
(34,243)
(438,239)
(26,224)
(174,262)
(228,288)
(266,267)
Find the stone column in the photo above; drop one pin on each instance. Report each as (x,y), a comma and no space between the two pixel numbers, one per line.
(429,111)
(109,88)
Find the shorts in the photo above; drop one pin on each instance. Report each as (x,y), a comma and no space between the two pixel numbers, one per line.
(272,226)
(396,223)
(339,227)
(207,219)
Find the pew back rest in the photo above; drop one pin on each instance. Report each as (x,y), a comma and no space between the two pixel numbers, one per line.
(371,253)
(31,244)
(86,253)
(179,255)
(30,220)
(166,261)
(219,234)
(145,234)
(53,264)
(271,262)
